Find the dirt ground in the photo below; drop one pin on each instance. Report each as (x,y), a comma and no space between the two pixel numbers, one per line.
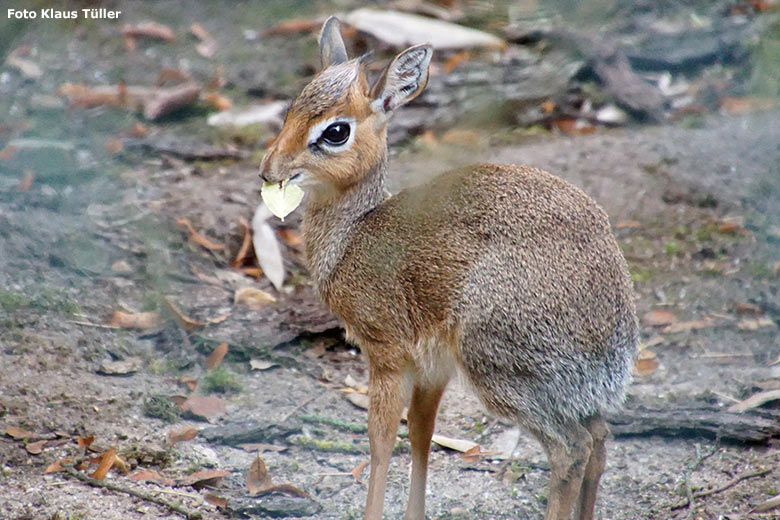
(695,208)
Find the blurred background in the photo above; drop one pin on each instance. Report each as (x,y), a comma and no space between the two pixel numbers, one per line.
(129,254)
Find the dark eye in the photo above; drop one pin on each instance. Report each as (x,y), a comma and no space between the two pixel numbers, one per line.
(336,134)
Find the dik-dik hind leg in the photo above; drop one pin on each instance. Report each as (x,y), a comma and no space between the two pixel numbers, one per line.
(598,429)
(422,418)
(568,451)
(384,415)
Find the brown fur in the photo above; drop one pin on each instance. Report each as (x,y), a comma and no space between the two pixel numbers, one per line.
(507,272)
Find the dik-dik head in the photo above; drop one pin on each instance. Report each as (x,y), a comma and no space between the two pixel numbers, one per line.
(335,131)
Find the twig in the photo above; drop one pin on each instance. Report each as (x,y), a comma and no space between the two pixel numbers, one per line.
(98,325)
(298,408)
(190,515)
(731,483)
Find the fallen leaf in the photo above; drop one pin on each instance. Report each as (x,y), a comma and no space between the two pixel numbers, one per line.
(260,447)
(472,455)
(461,445)
(56,466)
(359,469)
(745,105)
(121,267)
(26,183)
(196,237)
(7,152)
(136,320)
(35,448)
(206,407)
(121,367)
(257,479)
(266,247)
(85,442)
(658,317)
(254,272)
(151,476)
(220,318)
(181,434)
(183,320)
(150,30)
(203,478)
(253,298)
(461,138)
(754,401)
(28,68)
(106,463)
(114,146)
(755,323)
(316,351)
(266,114)
(747,309)
(655,340)
(629,224)
(261,364)
(646,362)
(767,505)
(291,237)
(216,356)
(138,130)
(359,400)
(295,26)
(572,126)
(218,101)
(685,326)
(455,60)
(189,382)
(208,45)
(216,500)
(18,433)
(165,101)
(548,106)
(245,244)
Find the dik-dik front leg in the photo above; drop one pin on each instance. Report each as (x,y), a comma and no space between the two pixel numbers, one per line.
(384,415)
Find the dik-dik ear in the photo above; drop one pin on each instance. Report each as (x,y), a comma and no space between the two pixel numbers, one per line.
(402,80)
(332,49)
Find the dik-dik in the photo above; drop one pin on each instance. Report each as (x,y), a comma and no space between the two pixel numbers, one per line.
(506,273)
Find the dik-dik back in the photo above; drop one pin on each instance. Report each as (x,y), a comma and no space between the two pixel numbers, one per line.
(508,273)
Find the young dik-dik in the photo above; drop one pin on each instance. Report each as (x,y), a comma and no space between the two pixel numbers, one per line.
(507,273)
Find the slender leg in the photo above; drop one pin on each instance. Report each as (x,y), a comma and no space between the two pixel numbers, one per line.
(422,417)
(568,452)
(599,430)
(384,415)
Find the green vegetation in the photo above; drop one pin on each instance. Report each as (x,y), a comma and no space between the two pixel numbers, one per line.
(161,407)
(42,299)
(220,379)
(640,274)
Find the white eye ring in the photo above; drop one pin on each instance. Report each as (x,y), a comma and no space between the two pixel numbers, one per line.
(315,134)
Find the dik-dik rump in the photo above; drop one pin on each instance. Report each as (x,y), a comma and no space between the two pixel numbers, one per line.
(506,273)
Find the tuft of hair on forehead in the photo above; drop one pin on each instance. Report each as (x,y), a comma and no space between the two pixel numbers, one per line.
(326,89)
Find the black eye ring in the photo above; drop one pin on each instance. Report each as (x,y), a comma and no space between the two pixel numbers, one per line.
(336,134)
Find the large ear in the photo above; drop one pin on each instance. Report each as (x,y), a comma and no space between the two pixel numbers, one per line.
(332,49)
(403,79)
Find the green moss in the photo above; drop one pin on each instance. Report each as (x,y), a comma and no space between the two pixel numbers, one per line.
(673,248)
(640,274)
(220,379)
(161,407)
(759,269)
(42,299)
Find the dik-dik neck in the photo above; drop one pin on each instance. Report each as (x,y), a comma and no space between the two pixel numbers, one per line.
(330,220)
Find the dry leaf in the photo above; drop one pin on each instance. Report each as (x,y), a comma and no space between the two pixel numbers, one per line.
(755,323)
(207,407)
(56,466)
(183,320)
(461,138)
(754,401)
(316,351)
(106,463)
(191,383)
(295,26)
(138,130)
(165,101)
(7,152)
(359,400)
(197,237)
(461,445)
(215,358)
(18,433)
(646,362)
(266,246)
(136,320)
(291,237)
(114,146)
(26,183)
(203,478)
(150,30)
(455,60)
(208,45)
(258,480)
(27,67)
(35,448)
(261,364)
(472,455)
(85,442)
(245,244)
(254,272)
(745,105)
(359,469)
(218,101)
(685,326)
(573,126)
(253,298)
(121,367)
(151,476)
(260,447)
(548,106)
(220,318)
(658,317)
(747,309)
(767,505)
(216,500)
(186,433)
(629,224)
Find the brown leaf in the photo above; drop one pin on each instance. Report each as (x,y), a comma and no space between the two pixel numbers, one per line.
(253,297)
(220,318)
(121,367)
(291,237)
(18,433)
(203,478)
(7,152)
(548,106)
(207,407)
(189,382)
(573,126)
(748,309)
(359,469)
(26,182)
(151,476)
(254,272)
(216,500)
(170,76)
(287,489)
(106,463)
(246,243)
(464,138)
(165,101)
(755,324)
(85,442)
(196,237)
(215,358)
(471,456)
(182,319)
(35,448)
(455,60)
(150,30)
(181,434)
(754,401)
(138,130)
(56,466)
(257,479)
(461,445)
(295,26)
(745,105)
(136,320)
(658,317)
(208,45)
(630,224)
(218,101)
(646,362)
(685,326)
(114,146)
